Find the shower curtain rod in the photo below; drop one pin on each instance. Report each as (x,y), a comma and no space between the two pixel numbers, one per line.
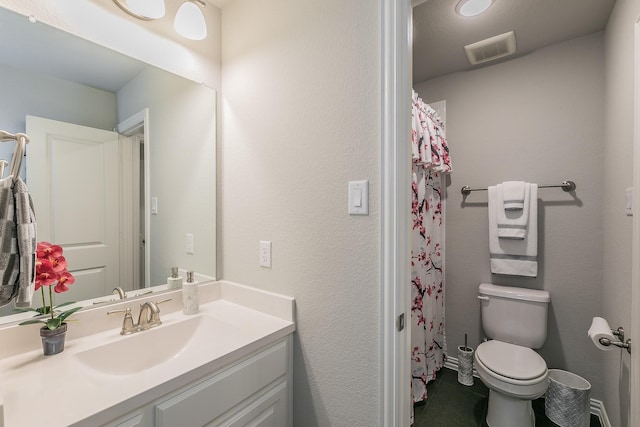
(566,186)
(22,140)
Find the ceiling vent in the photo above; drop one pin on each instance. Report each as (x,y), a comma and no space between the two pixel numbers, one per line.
(491,48)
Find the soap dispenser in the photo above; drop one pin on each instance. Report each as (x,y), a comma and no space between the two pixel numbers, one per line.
(174,281)
(190,303)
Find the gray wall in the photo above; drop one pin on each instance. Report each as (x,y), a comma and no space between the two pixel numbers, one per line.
(618,175)
(537,118)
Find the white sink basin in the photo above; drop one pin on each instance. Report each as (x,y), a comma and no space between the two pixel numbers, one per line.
(146,349)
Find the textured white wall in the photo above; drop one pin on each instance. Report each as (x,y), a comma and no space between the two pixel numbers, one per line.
(301,96)
(538,118)
(618,175)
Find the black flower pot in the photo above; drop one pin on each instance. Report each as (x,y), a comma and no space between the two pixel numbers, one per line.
(53,340)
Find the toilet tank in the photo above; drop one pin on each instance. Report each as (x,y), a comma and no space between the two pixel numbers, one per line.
(514,315)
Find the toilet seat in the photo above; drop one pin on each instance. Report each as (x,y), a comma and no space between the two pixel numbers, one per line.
(510,362)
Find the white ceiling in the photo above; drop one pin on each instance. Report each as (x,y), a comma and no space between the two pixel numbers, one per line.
(440,34)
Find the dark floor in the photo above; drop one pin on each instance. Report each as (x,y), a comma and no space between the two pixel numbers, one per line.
(451,404)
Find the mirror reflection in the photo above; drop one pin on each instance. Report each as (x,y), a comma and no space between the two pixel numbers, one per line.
(121,163)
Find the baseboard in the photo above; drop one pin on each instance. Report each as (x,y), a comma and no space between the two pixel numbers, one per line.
(596,407)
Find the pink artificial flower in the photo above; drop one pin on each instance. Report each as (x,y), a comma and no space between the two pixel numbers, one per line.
(59,263)
(45,275)
(64,279)
(48,250)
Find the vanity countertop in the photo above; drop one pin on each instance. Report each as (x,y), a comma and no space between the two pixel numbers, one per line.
(62,390)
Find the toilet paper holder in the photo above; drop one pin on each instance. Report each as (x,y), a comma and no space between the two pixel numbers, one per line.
(622,343)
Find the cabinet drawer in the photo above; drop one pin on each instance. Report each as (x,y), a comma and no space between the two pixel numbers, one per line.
(268,410)
(211,398)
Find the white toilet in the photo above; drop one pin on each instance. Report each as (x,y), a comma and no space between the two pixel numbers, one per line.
(515,321)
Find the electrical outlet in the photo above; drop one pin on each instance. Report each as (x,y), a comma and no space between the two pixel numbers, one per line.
(189,243)
(265,254)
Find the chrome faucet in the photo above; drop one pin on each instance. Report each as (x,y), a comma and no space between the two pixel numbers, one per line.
(148,317)
(120,292)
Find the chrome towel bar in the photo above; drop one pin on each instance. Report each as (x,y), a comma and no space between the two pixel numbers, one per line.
(566,186)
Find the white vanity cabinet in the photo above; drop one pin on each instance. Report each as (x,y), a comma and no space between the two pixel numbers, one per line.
(255,391)
(228,365)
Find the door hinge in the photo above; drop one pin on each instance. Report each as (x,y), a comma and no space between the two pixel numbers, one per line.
(400,322)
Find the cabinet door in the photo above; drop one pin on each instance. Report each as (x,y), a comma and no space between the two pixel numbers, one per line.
(268,410)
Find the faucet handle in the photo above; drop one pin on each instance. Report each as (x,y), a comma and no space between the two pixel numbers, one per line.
(128,326)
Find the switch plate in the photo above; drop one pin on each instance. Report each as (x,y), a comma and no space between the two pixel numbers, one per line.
(359,198)
(154,206)
(189,243)
(265,254)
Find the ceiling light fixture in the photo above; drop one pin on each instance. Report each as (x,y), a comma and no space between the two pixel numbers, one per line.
(189,21)
(472,7)
(147,10)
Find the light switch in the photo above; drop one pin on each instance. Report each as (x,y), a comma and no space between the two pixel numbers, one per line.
(359,197)
(628,201)
(154,206)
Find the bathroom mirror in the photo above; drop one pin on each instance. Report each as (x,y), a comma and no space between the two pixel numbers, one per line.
(166,156)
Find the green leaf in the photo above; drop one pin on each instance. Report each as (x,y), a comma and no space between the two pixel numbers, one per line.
(24,310)
(67,313)
(64,303)
(54,323)
(30,322)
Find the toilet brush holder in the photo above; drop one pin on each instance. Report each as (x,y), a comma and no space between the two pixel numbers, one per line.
(465,365)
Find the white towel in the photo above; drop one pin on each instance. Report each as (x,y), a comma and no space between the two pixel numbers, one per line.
(512,224)
(513,256)
(514,194)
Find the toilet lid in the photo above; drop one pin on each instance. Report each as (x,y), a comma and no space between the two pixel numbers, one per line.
(510,360)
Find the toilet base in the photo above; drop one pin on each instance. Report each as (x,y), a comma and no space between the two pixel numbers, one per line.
(507,411)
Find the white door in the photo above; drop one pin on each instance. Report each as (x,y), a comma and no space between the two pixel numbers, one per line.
(72,175)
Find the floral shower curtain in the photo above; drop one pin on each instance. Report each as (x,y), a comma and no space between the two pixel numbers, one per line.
(430,161)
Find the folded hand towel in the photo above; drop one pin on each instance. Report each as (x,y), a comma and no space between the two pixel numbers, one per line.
(513,193)
(513,256)
(9,259)
(26,237)
(512,224)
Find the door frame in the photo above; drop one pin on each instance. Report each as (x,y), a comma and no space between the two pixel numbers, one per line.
(635,251)
(395,203)
(128,127)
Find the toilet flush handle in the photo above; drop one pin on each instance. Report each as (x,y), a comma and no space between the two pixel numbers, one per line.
(483,298)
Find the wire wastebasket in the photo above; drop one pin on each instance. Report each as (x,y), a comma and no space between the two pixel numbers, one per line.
(567,399)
